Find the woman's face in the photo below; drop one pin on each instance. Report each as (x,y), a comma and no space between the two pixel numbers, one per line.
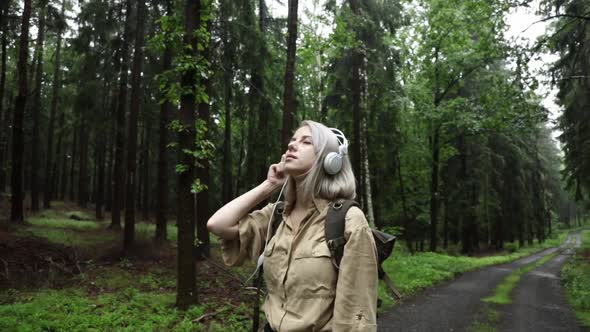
(300,154)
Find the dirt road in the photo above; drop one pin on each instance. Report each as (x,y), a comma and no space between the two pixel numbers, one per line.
(455,305)
(538,300)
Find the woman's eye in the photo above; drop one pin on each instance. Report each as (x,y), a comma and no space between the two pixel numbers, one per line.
(306,142)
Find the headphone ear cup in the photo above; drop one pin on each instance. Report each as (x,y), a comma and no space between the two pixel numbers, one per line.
(333,163)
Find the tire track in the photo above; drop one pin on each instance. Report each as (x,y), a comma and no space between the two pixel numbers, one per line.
(452,305)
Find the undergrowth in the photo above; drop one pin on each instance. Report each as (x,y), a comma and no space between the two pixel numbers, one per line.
(575,277)
(127,309)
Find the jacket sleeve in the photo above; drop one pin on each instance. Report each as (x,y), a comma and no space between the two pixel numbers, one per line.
(250,242)
(355,307)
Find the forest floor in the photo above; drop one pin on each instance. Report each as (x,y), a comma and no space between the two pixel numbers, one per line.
(64,270)
(524,295)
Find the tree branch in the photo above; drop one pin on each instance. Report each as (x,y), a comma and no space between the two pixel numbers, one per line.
(580,17)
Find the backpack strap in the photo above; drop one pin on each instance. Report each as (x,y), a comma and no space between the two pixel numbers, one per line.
(334,227)
(277,218)
(335,222)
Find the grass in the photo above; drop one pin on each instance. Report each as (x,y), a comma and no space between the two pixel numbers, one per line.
(575,277)
(58,228)
(412,273)
(502,292)
(118,297)
(127,309)
(488,318)
(81,229)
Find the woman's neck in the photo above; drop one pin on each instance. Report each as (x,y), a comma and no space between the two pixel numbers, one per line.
(302,201)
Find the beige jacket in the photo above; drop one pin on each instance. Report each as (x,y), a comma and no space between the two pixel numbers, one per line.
(305,290)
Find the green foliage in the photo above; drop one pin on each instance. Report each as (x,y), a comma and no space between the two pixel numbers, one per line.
(570,74)
(74,310)
(575,277)
(65,231)
(511,247)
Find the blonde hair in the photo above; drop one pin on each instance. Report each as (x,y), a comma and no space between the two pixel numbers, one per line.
(316,183)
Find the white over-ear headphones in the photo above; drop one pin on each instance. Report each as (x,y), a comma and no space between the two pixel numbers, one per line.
(333,161)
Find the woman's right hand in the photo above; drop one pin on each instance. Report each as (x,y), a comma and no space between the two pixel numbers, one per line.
(276,173)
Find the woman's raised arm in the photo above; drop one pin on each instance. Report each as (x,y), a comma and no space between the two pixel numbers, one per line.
(224,223)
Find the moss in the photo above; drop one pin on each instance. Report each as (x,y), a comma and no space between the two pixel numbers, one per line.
(502,292)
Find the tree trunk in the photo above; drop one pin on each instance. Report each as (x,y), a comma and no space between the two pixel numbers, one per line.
(109,172)
(83,176)
(356,91)
(136,104)
(101,152)
(434,188)
(119,171)
(408,232)
(265,107)
(446,222)
(227,100)
(241,159)
(203,211)
(146,170)
(255,95)
(289,102)
(49,175)
(62,185)
(16,213)
(467,198)
(367,177)
(37,110)
(4,116)
(113,120)
(100,181)
(186,294)
(227,153)
(73,166)
(162,204)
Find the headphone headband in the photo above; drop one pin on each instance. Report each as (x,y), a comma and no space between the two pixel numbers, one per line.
(342,141)
(333,161)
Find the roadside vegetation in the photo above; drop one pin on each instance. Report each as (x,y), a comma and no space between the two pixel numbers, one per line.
(575,277)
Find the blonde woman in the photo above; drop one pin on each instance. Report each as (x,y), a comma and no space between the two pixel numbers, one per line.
(306,291)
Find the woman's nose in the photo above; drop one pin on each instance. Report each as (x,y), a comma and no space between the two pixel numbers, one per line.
(291,146)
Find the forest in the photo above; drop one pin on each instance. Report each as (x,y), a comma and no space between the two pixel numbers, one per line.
(161,111)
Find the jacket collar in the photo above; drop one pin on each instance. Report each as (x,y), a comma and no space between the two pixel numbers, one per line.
(320,204)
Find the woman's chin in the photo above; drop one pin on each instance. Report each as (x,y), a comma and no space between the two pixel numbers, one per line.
(294,172)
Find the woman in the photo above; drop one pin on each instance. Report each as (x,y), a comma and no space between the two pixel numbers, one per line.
(306,291)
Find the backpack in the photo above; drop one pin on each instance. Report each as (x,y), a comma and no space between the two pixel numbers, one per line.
(335,222)
(334,230)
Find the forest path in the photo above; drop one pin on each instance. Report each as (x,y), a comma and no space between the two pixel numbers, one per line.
(539,302)
(457,304)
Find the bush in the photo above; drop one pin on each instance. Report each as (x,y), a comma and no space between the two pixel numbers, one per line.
(511,247)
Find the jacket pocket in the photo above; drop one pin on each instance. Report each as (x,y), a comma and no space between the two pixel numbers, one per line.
(315,249)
